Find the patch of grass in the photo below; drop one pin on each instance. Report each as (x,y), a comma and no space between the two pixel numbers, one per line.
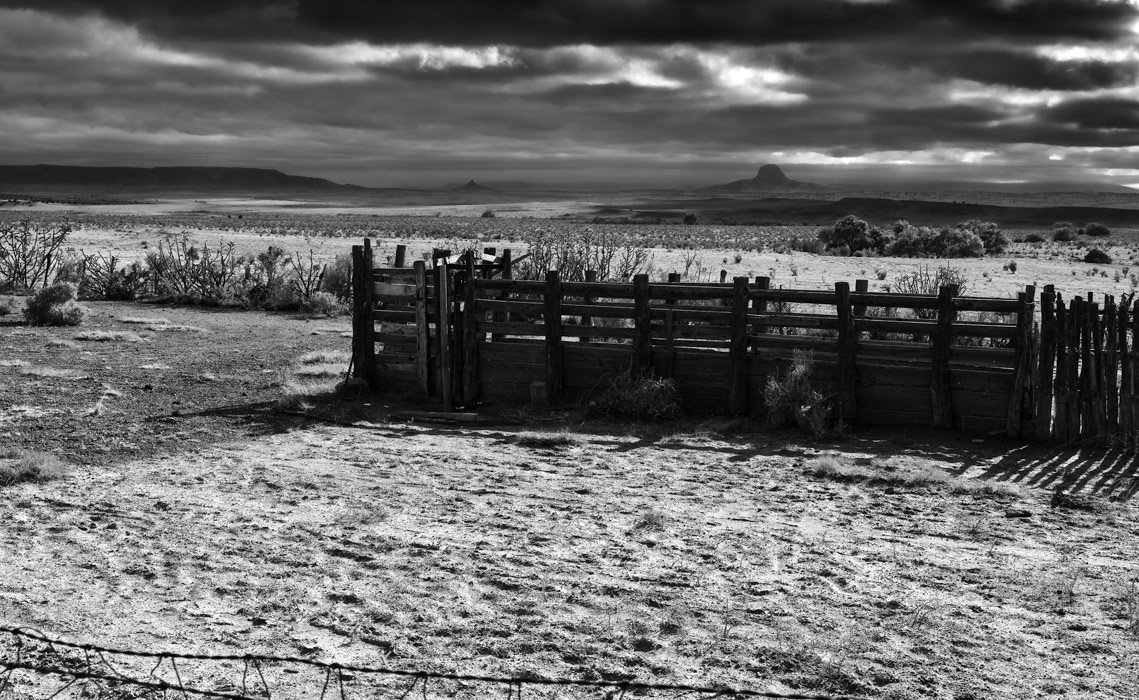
(50,372)
(324,357)
(550,439)
(641,398)
(303,393)
(19,466)
(54,306)
(174,328)
(315,371)
(145,320)
(61,343)
(891,473)
(651,520)
(109,336)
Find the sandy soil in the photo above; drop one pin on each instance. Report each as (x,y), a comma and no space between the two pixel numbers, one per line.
(701,551)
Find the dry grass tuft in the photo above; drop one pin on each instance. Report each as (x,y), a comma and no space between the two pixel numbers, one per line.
(109,336)
(300,393)
(62,343)
(651,520)
(892,473)
(18,466)
(325,357)
(51,372)
(560,438)
(145,320)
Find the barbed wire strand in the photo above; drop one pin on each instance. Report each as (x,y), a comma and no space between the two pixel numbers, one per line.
(417,676)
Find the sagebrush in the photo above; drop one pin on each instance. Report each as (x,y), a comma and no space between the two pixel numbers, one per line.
(641,398)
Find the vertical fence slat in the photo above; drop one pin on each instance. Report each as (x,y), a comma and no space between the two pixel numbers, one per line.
(861,286)
(1063,378)
(1047,363)
(1126,388)
(1075,352)
(1095,372)
(1133,360)
(670,328)
(422,331)
(642,333)
(443,337)
(939,375)
(1020,378)
(470,338)
(553,319)
(847,354)
(587,321)
(359,312)
(1086,355)
(737,352)
(400,255)
(1111,365)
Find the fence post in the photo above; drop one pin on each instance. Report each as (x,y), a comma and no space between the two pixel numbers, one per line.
(443,334)
(1047,364)
(422,330)
(553,318)
(1020,377)
(940,391)
(1096,380)
(359,312)
(861,287)
(642,324)
(1133,356)
(1110,372)
(1126,390)
(670,327)
(400,255)
(1063,378)
(470,338)
(737,352)
(1088,309)
(587,320)
(1076,314)
(847,355)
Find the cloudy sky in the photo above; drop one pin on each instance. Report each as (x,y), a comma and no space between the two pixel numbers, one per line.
(621,92)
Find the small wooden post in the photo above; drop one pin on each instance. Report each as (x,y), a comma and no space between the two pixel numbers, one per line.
(422,330)
(361,315)
(400,255)
(847,355)
(470,338)
(488,272)
(759,306)
(1110,368)
(861,287)
(1024,316)
(1133,360)
(737,352)
(507,273)
(1095,372)
(940,340)
(507,265)
(1063,379)
(642,324)
(553,321)
(443,335)
(1126,379)
(587,320)
(1076,313)
(670,326)
(1047,365)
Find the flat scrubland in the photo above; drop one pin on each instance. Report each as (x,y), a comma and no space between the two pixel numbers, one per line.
(209,497)
(189,515)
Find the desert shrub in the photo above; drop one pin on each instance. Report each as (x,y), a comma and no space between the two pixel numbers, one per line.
(185,272)
(792,402)
(17,466)
(268,283)
(99,276)
(689,218)
(993,240)
(1010,266)
(640,398)
(1063,224)
(805,244)
(322,304)
(1097,256)
(1094,229)
(1034,238)
(1062,234)
(488,214)
(850,235)
(924,281)
(54,306)
(337,279)
(573,253)
(30,253)
(5,307)
(924,242)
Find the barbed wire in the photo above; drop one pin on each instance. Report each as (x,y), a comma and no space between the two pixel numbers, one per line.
(94,657)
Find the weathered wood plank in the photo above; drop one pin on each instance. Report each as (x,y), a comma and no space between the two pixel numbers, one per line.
(737,385)
(553,333)
(1046,367)
(1015,406)
(1096,379)
(1110,367)
(471,338)
(847,354)
(443,338)
(642,360)
(1126,379)
(940,393)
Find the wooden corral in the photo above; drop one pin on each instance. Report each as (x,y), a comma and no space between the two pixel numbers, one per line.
(967,363)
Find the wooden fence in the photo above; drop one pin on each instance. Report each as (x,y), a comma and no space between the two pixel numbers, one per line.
(466,332)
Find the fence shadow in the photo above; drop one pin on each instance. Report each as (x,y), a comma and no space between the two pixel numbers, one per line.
(1095,471)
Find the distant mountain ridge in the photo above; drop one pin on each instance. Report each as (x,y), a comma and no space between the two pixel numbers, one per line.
(769,179)
(163,178)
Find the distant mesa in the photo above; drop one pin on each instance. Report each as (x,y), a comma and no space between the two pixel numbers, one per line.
(206,179)
(770,178)
(471,187)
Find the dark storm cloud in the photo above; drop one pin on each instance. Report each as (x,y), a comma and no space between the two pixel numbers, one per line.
(1019,68)
(1094,114)
(554,22)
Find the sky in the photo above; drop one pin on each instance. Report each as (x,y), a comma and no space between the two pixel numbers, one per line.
(626,93)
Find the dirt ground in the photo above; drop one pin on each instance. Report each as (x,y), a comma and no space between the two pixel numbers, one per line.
(192,517)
